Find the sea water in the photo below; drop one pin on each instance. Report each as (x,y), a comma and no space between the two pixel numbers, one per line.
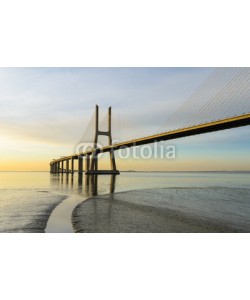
(44,202)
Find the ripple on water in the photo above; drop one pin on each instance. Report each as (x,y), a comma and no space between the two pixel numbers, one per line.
(26,210)
(166,210)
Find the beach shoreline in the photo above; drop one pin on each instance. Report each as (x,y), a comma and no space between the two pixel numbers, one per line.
(137,211)
(31,219)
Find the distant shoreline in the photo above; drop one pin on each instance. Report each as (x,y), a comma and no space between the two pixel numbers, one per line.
(134,171)
(184,171)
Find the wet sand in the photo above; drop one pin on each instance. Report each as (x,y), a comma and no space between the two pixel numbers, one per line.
(60,218)
(148,211)
(39,223)
(28,211)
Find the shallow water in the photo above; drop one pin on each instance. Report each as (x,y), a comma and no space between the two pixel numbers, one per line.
(39,201)
(26,201)
(206,209)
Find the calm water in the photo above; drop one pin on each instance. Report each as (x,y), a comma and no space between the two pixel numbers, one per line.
(39,201)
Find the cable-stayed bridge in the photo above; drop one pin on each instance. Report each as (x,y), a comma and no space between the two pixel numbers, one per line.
(221,102)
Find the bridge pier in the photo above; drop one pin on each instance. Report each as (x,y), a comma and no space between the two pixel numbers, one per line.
(94,166)
(93,170)
(79,164)
(91,157)
(54,167)
(72,165)
(112,160)
(87,162)
(67,166)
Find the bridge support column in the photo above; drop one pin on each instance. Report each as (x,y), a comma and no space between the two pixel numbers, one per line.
(112,160)
(79,164)
(112,184)
(72,165)
(94,162)
(87,162)
(94,159)
(62,165)
(67,166)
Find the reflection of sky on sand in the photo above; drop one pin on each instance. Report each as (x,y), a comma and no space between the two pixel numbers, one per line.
(60,220)
(213,209)
(79,188)
(26,201)
(28,198)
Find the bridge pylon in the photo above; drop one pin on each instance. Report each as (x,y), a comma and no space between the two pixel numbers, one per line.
(93,168)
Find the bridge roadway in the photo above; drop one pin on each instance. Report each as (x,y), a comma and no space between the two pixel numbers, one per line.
(228,123)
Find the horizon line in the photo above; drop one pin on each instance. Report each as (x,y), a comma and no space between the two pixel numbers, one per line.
(131,171)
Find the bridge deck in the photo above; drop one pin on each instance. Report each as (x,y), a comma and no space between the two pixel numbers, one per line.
(228,123)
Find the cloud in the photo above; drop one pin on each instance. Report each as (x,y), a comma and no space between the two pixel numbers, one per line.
(53,106)
(57,103)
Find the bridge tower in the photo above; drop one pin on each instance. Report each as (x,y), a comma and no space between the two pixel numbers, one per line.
(93,170)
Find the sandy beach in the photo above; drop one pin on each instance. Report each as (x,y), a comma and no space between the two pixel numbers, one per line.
(27,211)
(155,211)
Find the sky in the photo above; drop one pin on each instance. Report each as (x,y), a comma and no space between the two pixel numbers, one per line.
(45,111)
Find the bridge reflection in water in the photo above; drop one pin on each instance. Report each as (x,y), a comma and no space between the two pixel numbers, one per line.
(148,211)
(84,184)
(79,188)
